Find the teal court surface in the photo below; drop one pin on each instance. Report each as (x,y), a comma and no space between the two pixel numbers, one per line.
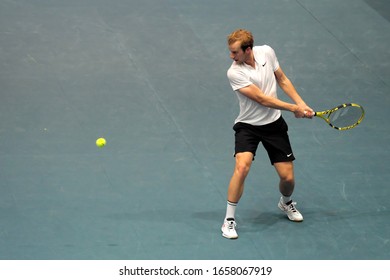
(150,77)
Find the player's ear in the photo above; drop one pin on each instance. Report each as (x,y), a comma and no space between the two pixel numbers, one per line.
(247,49)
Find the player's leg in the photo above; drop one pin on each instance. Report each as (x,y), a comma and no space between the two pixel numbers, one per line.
(285,171)
(241,170)
(235,190)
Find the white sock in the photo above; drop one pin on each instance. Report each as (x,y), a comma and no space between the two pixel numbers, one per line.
(286,199)
(230,210)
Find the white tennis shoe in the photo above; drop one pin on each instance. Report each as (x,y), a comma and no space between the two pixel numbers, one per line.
(290,210)
(229,229)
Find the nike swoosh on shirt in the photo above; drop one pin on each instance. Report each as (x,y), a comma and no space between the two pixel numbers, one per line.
(264,63)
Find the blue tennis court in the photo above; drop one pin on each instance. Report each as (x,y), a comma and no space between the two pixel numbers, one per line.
(150,77)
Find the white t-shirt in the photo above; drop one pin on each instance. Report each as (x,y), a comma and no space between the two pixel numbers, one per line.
(242,75)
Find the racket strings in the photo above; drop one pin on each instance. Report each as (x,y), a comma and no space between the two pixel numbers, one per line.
(346,116)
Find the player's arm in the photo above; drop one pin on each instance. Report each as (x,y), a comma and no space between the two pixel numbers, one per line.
(286,85)
(254,93)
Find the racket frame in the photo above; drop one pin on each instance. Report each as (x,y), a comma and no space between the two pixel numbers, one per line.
(325,115)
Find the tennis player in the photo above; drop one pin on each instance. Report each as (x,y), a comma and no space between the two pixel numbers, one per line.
(254,76)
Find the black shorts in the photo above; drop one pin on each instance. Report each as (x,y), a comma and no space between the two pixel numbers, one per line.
(273,136)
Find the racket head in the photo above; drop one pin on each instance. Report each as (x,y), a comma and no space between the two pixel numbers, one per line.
(343,117)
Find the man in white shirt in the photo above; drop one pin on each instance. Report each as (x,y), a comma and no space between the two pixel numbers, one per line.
(254,76)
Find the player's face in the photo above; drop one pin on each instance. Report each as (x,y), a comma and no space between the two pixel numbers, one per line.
(236,53)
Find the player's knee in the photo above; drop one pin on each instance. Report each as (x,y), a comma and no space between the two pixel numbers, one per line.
(242,169)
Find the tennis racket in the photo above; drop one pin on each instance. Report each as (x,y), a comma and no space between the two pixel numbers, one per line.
(343,117)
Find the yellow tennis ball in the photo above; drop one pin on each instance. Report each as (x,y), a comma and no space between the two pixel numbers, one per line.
(100,142)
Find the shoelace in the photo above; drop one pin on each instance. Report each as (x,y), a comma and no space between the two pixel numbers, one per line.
(231,225)
(291,207)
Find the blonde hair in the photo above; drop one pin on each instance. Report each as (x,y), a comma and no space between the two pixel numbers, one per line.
(243,36)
